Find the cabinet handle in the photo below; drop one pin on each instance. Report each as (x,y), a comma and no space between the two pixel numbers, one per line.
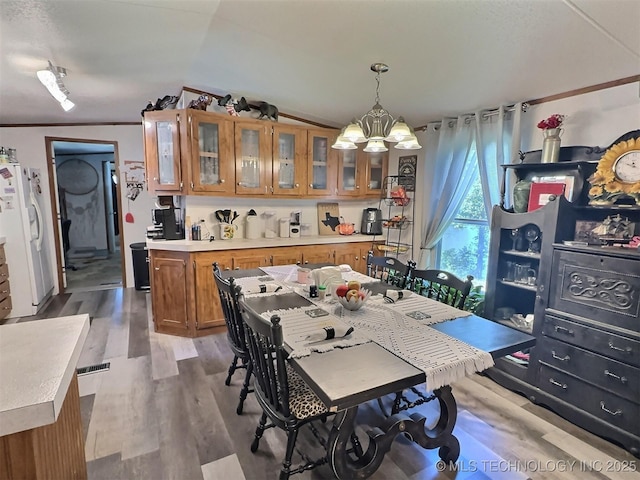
(191,185)
(618,349)
(610,412)
(558,384)
(3,274)
(357,258)
(237,268)
(239,184)
(611,374)
(311,185)
(306,261)
(4,291)
(6,308)
(156,268)
(297,185)
(568,331)
(155,179)
(566,358)
(221,180)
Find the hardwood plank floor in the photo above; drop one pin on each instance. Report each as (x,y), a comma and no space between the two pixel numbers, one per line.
(162,411)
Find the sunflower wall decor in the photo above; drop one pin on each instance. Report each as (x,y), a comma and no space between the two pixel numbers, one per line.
(617,176)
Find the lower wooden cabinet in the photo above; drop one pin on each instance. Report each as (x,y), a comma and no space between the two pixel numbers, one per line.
(184,295)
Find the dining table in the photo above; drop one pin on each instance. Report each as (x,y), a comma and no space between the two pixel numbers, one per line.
(392,345)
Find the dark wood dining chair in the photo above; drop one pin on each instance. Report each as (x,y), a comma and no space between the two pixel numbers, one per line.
(443,287)
(286,400)
(229,292)
(388,269)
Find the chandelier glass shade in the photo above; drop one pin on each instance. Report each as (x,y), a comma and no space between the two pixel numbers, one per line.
(51,78)
(377,126)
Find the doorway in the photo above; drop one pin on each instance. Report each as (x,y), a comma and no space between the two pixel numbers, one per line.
(84,181)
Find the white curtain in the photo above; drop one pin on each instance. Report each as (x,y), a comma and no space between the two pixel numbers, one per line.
(451,149)
(497,143)
(456,149)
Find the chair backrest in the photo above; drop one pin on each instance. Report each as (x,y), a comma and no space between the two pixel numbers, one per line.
(388,269)
(229,293)
(442,286)
(268,357)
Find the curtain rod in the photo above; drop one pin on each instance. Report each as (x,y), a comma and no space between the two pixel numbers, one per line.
(485,115)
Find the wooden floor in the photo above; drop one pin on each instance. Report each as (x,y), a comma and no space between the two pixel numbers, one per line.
(162,411)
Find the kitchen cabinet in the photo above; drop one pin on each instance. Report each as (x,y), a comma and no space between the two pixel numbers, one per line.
(314,254)
(285,256)
(169,291)
(189,152)
(5,290)
(360,173)
(184,296)
(163,151)
(251,258)
(206,301)
(270,158)
(322,168)
(211,147)
(253,157)
(289,163)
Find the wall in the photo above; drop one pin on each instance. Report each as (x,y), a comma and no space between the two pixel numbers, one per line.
(86,212)
(30,145)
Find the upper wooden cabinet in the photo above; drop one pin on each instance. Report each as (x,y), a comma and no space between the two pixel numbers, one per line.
(192,152)
(270,158)
(211,147)
(189,152)
(163,151)
(322,171)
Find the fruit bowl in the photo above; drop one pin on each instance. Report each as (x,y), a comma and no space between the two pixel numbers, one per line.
(355,301)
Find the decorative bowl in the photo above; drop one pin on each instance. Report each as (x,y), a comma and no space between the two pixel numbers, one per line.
(354,303)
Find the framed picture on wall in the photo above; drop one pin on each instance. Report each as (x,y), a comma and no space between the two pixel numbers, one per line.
(407,172)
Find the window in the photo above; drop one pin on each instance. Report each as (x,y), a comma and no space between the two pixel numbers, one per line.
(464,247)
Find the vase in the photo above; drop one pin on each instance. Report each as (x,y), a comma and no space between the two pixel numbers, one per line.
(551,145)
(521,196)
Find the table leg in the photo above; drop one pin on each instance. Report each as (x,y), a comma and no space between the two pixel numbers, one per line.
(380,438)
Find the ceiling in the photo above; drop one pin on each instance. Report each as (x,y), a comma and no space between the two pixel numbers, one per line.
(310,58)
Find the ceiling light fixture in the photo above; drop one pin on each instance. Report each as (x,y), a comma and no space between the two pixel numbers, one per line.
(377,126)
(52,79)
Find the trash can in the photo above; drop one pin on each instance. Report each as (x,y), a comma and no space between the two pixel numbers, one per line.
(140,265)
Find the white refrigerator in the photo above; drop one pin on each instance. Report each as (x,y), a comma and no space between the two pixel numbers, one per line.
(23,224)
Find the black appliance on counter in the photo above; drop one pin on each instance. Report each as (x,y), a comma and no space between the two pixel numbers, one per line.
(371,221)
(166,224)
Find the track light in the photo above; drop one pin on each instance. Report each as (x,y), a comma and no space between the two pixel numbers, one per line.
(52,79)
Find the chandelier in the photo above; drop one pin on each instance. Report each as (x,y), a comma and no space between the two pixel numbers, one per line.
(51,78)
(377,126)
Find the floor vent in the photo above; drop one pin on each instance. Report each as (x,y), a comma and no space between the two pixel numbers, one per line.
(93,369)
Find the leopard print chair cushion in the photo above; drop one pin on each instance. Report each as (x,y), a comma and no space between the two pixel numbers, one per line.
(303,403)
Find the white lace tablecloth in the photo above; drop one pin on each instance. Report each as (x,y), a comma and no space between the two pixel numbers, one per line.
(399,327)
(297,326)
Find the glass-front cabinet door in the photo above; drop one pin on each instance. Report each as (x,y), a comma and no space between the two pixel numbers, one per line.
(289,160)
(253,157)
(349,177)
(321,162)
(376,166)
(212,162)
(162,151)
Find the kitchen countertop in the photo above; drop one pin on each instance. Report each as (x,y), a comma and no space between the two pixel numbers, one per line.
(241,243)
(37,362)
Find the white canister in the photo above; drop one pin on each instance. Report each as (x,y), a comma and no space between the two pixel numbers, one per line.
(305,229)
(252,227)
(270,225)
(284,228)
(294,230)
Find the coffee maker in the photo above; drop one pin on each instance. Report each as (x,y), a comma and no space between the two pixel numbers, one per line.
(371,221)
(167,221)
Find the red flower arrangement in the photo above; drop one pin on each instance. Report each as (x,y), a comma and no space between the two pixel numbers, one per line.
(554,121)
